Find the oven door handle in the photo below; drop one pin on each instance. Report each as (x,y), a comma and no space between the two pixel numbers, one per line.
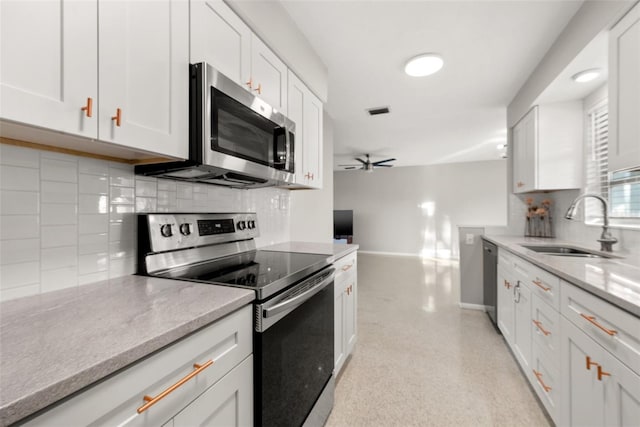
(297,300)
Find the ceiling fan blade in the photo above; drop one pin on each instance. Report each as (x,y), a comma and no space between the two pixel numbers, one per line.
(384,161)
(382,166)
(361,161)
(351,167)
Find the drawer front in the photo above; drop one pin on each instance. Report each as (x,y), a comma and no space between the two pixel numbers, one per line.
(614,329)
(505,258)
(545,378)
(545,322)
(116,401)
(541,282)
(346,264)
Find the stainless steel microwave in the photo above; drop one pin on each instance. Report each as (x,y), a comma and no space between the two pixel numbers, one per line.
(236,139)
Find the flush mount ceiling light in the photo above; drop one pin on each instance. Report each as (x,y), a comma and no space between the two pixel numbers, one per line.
(424,65)
(586,75)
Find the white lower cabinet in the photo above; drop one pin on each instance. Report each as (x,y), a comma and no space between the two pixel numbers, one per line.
(205,376)
(345,309)
(580,353)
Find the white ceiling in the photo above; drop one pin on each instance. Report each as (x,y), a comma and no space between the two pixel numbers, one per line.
(456,115)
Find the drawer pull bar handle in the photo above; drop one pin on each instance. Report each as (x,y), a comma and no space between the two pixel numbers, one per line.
(88,108)
(539,377)
(592,320)
(538,283)
(590,363)
(602,373)
(539,325)
(347,267)
(153,400)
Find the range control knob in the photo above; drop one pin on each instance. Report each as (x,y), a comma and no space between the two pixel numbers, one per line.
(185,229)
(242,225)
(165,230)
(251,224)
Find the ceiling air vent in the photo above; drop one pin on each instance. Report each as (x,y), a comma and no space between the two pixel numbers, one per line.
(377,111)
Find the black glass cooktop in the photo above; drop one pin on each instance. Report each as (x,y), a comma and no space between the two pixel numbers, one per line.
(267,272)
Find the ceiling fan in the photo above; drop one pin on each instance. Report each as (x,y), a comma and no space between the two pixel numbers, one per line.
(368,165)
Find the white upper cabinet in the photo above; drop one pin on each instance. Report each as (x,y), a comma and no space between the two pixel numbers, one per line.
(144,76)
(49,64)
(305,109)
(268,75)
(220,38)
(624,92)
(547,148)
(57,56)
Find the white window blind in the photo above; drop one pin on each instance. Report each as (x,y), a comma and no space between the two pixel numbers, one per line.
(621,189)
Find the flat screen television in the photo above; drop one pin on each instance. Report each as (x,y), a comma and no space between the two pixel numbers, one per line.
(342,223)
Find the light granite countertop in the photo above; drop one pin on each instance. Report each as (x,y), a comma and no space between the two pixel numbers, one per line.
(616,280)
(54,344)
(333,249)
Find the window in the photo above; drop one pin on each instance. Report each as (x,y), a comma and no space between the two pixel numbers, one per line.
(621,189)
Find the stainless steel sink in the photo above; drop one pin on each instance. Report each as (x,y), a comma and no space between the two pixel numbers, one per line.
(566,251)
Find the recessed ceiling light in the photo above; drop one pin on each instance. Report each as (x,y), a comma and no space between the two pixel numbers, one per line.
(424,65)
(586,75)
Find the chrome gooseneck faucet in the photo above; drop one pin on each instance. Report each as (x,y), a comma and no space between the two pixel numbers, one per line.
(606,239)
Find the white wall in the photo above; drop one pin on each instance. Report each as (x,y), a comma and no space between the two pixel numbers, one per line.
(312,210)
(416,210)
(66,221)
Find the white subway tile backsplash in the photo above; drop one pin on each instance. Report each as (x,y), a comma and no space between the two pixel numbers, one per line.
(20,274)
(58,214)
(66,220)
(16,251)
(19,178)
(54,258)
(19,156)
(93,184)
(61,278)
(94,224)
(19,202)
(19,227)
(58,235)
(93,263)
(58,192)
(93,243)
(59,170)
(93,204)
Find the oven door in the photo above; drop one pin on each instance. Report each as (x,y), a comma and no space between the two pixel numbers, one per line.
(293,351)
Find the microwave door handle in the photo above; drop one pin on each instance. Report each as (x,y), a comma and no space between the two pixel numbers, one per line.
(288,150)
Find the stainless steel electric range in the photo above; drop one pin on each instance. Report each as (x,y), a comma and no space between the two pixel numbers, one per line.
(293,330)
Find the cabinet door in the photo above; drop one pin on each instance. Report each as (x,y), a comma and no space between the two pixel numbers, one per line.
(313,141)
(339,351)
(296,94)
(144,76)
(229,402)
(583,394)
(505,304)
(522,325)
(624,92)
(350,314)
(622,406)
(49,64)
(269,75)
(220,38)
(524,158)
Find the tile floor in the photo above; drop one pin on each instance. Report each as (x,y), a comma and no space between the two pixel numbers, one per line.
(420,360)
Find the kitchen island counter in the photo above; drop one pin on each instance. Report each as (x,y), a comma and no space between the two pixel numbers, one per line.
(55,344)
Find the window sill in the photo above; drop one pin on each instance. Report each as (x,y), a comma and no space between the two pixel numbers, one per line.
(617,223)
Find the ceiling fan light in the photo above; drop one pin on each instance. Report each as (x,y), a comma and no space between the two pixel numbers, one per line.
(424,65)
(586,75)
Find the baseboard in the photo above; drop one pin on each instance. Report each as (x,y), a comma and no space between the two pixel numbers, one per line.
(466,306)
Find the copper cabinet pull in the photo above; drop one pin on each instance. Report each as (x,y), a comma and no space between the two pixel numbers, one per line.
(347,267)
(538,283)
(592,320)
(250,83)
(520,184)
(507,284)
(539,325)
(153,400)
(539,377)
(259,89)
(590,363)
(117,117)
(602,373)
(88,108)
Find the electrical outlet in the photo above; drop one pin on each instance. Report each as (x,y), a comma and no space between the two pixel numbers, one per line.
(468,239)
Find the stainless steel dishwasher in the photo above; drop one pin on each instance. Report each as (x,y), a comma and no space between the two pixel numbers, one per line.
(490,278)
